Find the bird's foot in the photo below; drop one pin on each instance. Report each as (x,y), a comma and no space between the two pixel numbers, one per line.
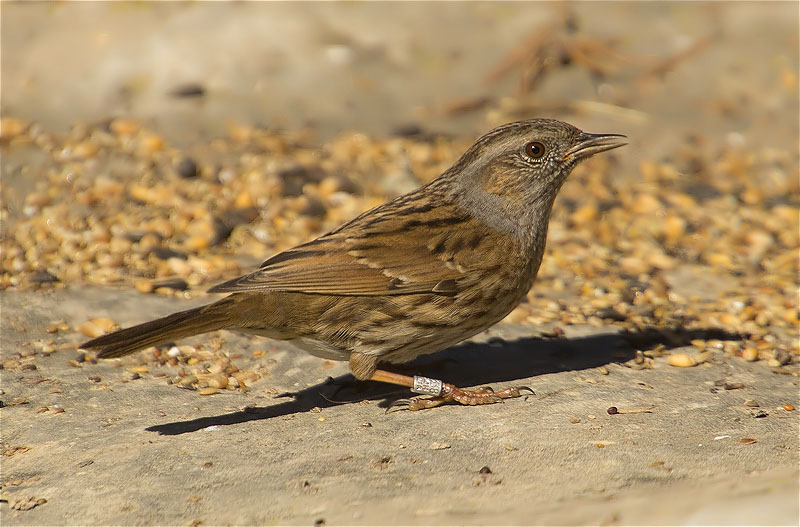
(450,393)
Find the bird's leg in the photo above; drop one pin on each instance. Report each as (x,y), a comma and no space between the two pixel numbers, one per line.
(441,392)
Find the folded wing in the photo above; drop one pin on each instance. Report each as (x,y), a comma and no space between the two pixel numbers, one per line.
(396,249)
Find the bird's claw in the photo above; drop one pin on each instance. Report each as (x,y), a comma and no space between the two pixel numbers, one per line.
(402,404)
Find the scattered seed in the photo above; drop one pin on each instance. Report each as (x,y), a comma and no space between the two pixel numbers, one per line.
(218,381)
(188,380)
(144,286)
(681,360)
(750,354)
(90,329)
(781,357)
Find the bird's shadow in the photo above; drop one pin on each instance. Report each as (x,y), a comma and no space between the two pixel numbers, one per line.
(467,364)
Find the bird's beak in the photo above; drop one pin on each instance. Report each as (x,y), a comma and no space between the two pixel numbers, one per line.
(588,145)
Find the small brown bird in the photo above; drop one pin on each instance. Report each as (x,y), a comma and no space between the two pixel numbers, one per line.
(413,276)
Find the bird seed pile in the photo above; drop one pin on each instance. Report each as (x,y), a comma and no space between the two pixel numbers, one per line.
(701,248)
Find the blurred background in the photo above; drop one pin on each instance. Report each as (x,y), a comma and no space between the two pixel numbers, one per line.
(656,70)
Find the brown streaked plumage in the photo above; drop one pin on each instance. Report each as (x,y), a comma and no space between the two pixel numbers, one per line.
(409,277)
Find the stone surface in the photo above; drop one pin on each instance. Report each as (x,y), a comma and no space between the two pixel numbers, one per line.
(140,451)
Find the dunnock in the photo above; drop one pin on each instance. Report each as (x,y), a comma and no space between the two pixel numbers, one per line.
(412,276)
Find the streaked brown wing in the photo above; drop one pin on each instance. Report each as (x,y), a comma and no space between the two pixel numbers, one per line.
(395,249)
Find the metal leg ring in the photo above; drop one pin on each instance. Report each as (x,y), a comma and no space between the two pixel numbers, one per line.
(427,386)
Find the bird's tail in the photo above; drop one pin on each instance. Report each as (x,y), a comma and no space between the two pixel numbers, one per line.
(168,329)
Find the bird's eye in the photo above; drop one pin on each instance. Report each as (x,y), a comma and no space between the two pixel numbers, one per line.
(534,149)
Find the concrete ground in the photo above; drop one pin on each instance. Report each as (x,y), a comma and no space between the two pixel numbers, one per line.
(143,452)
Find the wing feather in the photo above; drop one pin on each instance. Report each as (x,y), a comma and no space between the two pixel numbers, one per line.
(384,252)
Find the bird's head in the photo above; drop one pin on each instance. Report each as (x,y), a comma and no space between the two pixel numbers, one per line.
(513,173)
